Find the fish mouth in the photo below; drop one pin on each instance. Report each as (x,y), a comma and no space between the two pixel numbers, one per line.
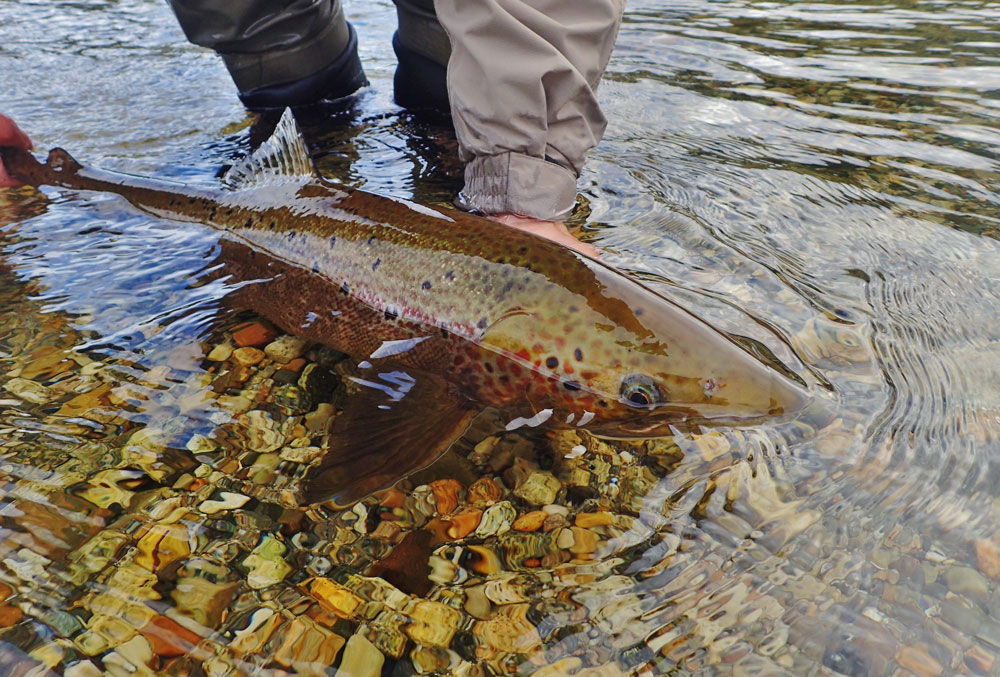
(660,423)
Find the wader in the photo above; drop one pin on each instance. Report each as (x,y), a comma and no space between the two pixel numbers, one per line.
(519,77)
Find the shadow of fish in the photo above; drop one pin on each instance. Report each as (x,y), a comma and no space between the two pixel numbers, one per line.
(451,313)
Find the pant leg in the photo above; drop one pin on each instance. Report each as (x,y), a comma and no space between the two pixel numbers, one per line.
(522,80)
(291,51)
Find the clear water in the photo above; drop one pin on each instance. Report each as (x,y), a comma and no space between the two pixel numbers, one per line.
(824,178)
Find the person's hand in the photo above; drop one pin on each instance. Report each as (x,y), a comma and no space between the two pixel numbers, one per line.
(11,135)
(552,230)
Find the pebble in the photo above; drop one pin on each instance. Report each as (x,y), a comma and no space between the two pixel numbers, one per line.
(432,623)
(967,581)
(28,390)
(496,519)
(220,352)
(447,493)
(300,454)
(254,334)
(988,555)
(918,661)
(538,488)
(593,519)
(462,523)
(228,501)
(335,598)
(361,659)
(248,357)
(531,521)
(286,348)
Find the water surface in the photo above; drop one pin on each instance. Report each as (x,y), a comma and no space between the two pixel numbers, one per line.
(821,178)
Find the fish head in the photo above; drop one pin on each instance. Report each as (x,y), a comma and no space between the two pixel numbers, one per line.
(614,355)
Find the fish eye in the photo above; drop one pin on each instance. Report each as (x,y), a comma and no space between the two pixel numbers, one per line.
(638,390)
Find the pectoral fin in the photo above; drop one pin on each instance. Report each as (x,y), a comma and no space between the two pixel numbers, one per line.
(397,423)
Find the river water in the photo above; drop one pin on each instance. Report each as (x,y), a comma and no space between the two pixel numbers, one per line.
(821,178)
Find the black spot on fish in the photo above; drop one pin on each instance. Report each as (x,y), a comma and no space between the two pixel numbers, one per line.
(345,288)
(371,240)
(249,223)
(378,262)
(523,250)
(602,403)
(552,363)
(578,354)
(482,323)
(426,285)
(291,236)
(272,225)
(229,211)
(211,214)
(489,367)
(333,241)
(507,287)
(573,309)
(639,312)
(450,275)
(391,313)
(315,267)
(444,333)
(571,385)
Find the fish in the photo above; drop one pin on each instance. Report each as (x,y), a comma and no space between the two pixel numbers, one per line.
(449,313)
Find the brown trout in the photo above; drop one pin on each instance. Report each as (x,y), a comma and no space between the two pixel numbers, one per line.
(454,312)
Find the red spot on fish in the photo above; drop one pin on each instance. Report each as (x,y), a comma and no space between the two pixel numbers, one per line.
(524,355)
(588,375)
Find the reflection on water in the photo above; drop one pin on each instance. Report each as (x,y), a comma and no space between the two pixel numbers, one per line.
(820,178)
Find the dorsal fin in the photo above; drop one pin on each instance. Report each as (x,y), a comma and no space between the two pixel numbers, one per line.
(283,157)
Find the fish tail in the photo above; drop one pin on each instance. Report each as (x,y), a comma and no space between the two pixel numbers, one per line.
(60,169)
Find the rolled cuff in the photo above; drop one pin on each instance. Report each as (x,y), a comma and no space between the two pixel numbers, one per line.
(511,183)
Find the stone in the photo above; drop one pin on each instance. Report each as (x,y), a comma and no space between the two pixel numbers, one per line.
(248,357)
(263,433)
(317,420)
(254,334)
(28,390)
(967,581)
(300,454)
(308,648)
(484,492)
(335,598)
(202,600)
(448,494)
(227,501)
(266,564)
(167,637)
(988,555)
(162,545)
(496,519)
(538,488)
(220,352)
(530,521)
(593,519)
(361,659)
(432,623)
(286,348)
(462,523)
(918,661)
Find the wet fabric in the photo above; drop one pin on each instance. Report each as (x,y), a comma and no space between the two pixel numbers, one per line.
(522,78)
